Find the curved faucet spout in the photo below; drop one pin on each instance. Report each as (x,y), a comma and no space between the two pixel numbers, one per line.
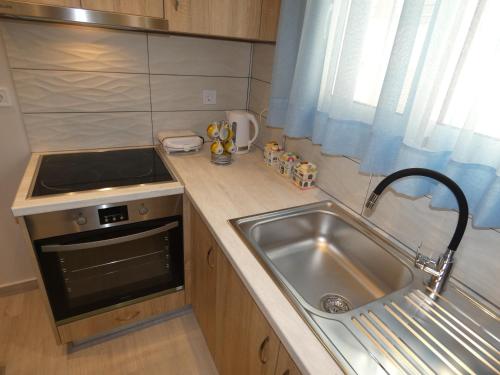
(463,208)
(440,268)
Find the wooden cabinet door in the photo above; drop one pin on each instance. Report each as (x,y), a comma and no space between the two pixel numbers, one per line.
(123,316)
(269,20)
(188,16)
(150,8)
(285,365)
(204,276)
(235,18)
(60,3)
(230,18)
(245,342)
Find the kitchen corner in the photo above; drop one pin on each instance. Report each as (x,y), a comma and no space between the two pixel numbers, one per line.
(249,187)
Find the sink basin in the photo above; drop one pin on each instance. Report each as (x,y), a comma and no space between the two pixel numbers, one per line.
(327,261)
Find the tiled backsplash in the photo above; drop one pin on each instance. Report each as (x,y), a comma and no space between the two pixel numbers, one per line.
(410,221)
(93,88)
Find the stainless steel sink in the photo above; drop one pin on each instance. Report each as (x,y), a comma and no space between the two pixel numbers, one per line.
(323,256)
(359,293)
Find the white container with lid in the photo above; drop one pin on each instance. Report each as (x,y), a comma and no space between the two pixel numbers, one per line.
(179,141)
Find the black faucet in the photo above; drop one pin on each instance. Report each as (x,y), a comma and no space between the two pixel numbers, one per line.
(440,268)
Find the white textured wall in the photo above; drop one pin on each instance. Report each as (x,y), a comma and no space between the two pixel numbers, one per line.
(81,87)
(15,264)
(410,221)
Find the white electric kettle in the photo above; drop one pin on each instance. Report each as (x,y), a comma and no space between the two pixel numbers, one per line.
(241,121)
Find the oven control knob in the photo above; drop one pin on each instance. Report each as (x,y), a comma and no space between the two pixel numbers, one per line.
(81,220)
(143,210)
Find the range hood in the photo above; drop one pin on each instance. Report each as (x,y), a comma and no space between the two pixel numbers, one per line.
(48,13)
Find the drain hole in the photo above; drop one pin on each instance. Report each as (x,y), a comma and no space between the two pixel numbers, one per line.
(335,303)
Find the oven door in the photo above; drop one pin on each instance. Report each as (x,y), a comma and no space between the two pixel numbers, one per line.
(98,269)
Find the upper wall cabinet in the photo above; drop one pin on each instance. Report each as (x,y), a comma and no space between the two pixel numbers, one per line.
(188,16)
(60,3)
(269,20)
(150,8)
(240,19)
(246,19)
(235,18)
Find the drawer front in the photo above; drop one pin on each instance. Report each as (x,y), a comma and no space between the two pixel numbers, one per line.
(107,321)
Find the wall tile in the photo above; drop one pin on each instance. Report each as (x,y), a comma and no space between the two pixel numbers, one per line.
(338,176)
(267,133)
(259,95)
(65,91)
(197,56)
(262,61)
(33,45)
(74,131)
(196,121)
(412,221)
(477,263)
(184,93)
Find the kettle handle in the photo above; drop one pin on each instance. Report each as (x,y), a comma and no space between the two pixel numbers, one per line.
(255,124)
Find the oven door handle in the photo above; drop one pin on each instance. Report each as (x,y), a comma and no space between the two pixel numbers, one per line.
(111,241)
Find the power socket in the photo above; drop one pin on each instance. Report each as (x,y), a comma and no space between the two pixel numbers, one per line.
(209,97)
(4,97)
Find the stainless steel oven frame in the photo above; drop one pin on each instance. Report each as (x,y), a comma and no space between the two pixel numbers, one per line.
(43,227)
(58,223)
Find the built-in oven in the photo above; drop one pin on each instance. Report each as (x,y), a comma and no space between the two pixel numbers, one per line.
(94,259)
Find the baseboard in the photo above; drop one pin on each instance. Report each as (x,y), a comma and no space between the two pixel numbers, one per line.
(18,287)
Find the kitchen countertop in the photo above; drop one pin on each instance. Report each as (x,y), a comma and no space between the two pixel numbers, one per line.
(23,206)
(244,188)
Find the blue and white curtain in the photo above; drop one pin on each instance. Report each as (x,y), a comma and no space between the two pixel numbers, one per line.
(397,84)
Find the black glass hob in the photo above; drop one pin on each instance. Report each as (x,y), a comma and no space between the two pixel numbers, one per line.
(65,173)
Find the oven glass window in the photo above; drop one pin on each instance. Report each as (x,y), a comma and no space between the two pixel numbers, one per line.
(96,269)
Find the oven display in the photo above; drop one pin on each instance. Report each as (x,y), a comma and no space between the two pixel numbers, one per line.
(113,215)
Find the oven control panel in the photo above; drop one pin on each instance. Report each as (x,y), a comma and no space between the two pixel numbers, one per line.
(112,214)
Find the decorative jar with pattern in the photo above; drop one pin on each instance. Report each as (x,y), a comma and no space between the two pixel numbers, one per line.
(304,174)
(272,152)
(287,161)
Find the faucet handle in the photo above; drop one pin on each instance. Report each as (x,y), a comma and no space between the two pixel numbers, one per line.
(427,264)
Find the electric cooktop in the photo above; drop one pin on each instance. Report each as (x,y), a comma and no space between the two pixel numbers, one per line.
(66,173)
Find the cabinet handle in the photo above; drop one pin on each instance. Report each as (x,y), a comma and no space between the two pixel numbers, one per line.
(209,256)
(129,317)
(262,348)
(177,4)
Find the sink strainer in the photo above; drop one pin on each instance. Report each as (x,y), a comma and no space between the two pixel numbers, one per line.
(335,303)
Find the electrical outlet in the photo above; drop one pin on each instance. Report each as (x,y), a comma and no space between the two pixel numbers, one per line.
(4,97)
(209,97)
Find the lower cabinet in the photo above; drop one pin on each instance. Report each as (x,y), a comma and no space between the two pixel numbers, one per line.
(204,277)
(245,344)
(238,335)
(285,365)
